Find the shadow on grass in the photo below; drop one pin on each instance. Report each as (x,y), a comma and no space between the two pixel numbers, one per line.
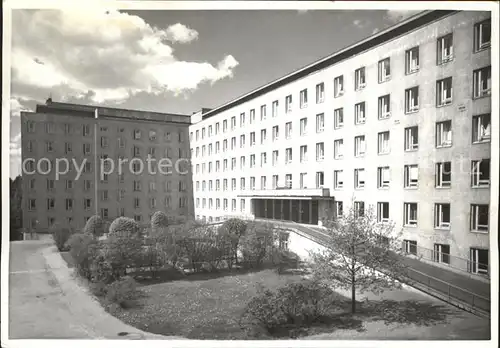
(404,312)
(172,274)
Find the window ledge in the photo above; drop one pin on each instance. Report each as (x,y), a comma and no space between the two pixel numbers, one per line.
(479,232)
(442,228)
(404,225)
(408,112)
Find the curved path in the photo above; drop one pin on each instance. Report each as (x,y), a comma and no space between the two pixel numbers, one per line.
(46,301)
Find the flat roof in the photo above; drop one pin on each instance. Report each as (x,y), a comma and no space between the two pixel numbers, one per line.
(414,22)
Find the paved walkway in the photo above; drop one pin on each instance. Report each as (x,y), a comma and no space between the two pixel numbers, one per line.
(45,301)
(459,281)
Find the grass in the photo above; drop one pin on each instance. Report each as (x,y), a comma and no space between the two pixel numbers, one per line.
(200,308)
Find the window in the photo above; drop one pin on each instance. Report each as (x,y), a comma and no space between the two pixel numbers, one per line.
(224,146)
(359,79)
(442,215)
(86,130)
(443,174)
(87,203)
(210,130)
(410,214)
(263,159)
(303,98)
(383,143)
(224,126)
(359,113)
(411,138)
(233,184)
(479,218)
(49,128)
(50,146)
(410,246)
(275,109)
(320,123)
(303,153)
(137,185)
(443,134)
(242,162)
(338,149)
(252,116)
(288,130)
(242,205)
(444,92)
(288,181)
(411,176)
(51,203)
(242,184)
(263,112)
(481,128)
(359,146)
(320,179)
(288,156)
(339,208)
(412,61)
(233,123)
(411,100)
(275,157)
(263,135)
(31,204)
(482,82)
(152,203)
(338,180)
(445,49)
(242,141)
(338,86)
(31,185)
(252,161)
(242,119)
(152,135)
(359,209)
(30,126)
(275,181)
(382,212)
(320,93)
(442,253)
(233,143)
(303,180)
(338,118)
(252,139)
(320,151)
(275,133)
(383,177)
(50,184)
(303,126)
(288,103)
(482,35)
(86,149)
(480,173)
(359,178)
(384,107)
(137,134)
(384,70)
(479,260)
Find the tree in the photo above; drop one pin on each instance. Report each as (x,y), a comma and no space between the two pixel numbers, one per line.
(94,226)
(16,215)
(124,226)
(361,254)
(258,243)
(159,220)
(232,230)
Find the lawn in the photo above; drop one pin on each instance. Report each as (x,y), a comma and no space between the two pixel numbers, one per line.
(201,308)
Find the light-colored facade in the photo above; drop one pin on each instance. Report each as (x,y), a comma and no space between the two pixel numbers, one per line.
(400,121)
(58,131)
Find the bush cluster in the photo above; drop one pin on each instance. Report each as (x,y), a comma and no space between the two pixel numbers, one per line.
(292,307)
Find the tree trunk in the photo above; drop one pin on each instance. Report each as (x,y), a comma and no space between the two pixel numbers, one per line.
(353,295)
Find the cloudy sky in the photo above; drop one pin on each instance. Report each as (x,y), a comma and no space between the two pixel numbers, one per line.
(167,61)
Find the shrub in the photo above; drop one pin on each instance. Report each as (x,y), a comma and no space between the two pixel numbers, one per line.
(123,292)
(159,220)
(233,229)
(122,252)
(294,306)
(94,226)
(82,248)
(61,236)
(124,226)
(256,244)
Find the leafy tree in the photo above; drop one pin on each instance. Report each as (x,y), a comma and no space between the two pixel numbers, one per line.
(232,230)
(159,220)
(60,235)
(124,226)
(16,213)
(258,243)
(122,251)
(94,226)
(83,250)
(358,249)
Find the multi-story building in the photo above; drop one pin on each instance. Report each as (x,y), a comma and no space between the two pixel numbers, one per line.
(400,121)
(152,150)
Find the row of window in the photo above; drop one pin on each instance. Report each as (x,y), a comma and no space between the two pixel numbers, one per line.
(479,174)
(481,81)
(87,202)
(481,132)
(50,128)
(218,201)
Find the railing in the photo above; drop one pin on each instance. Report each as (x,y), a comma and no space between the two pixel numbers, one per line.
(443,290)
(455,262)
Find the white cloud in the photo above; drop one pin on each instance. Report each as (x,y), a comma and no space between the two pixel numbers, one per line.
(102,56)
(15,145)
(180,33)
(399,15)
